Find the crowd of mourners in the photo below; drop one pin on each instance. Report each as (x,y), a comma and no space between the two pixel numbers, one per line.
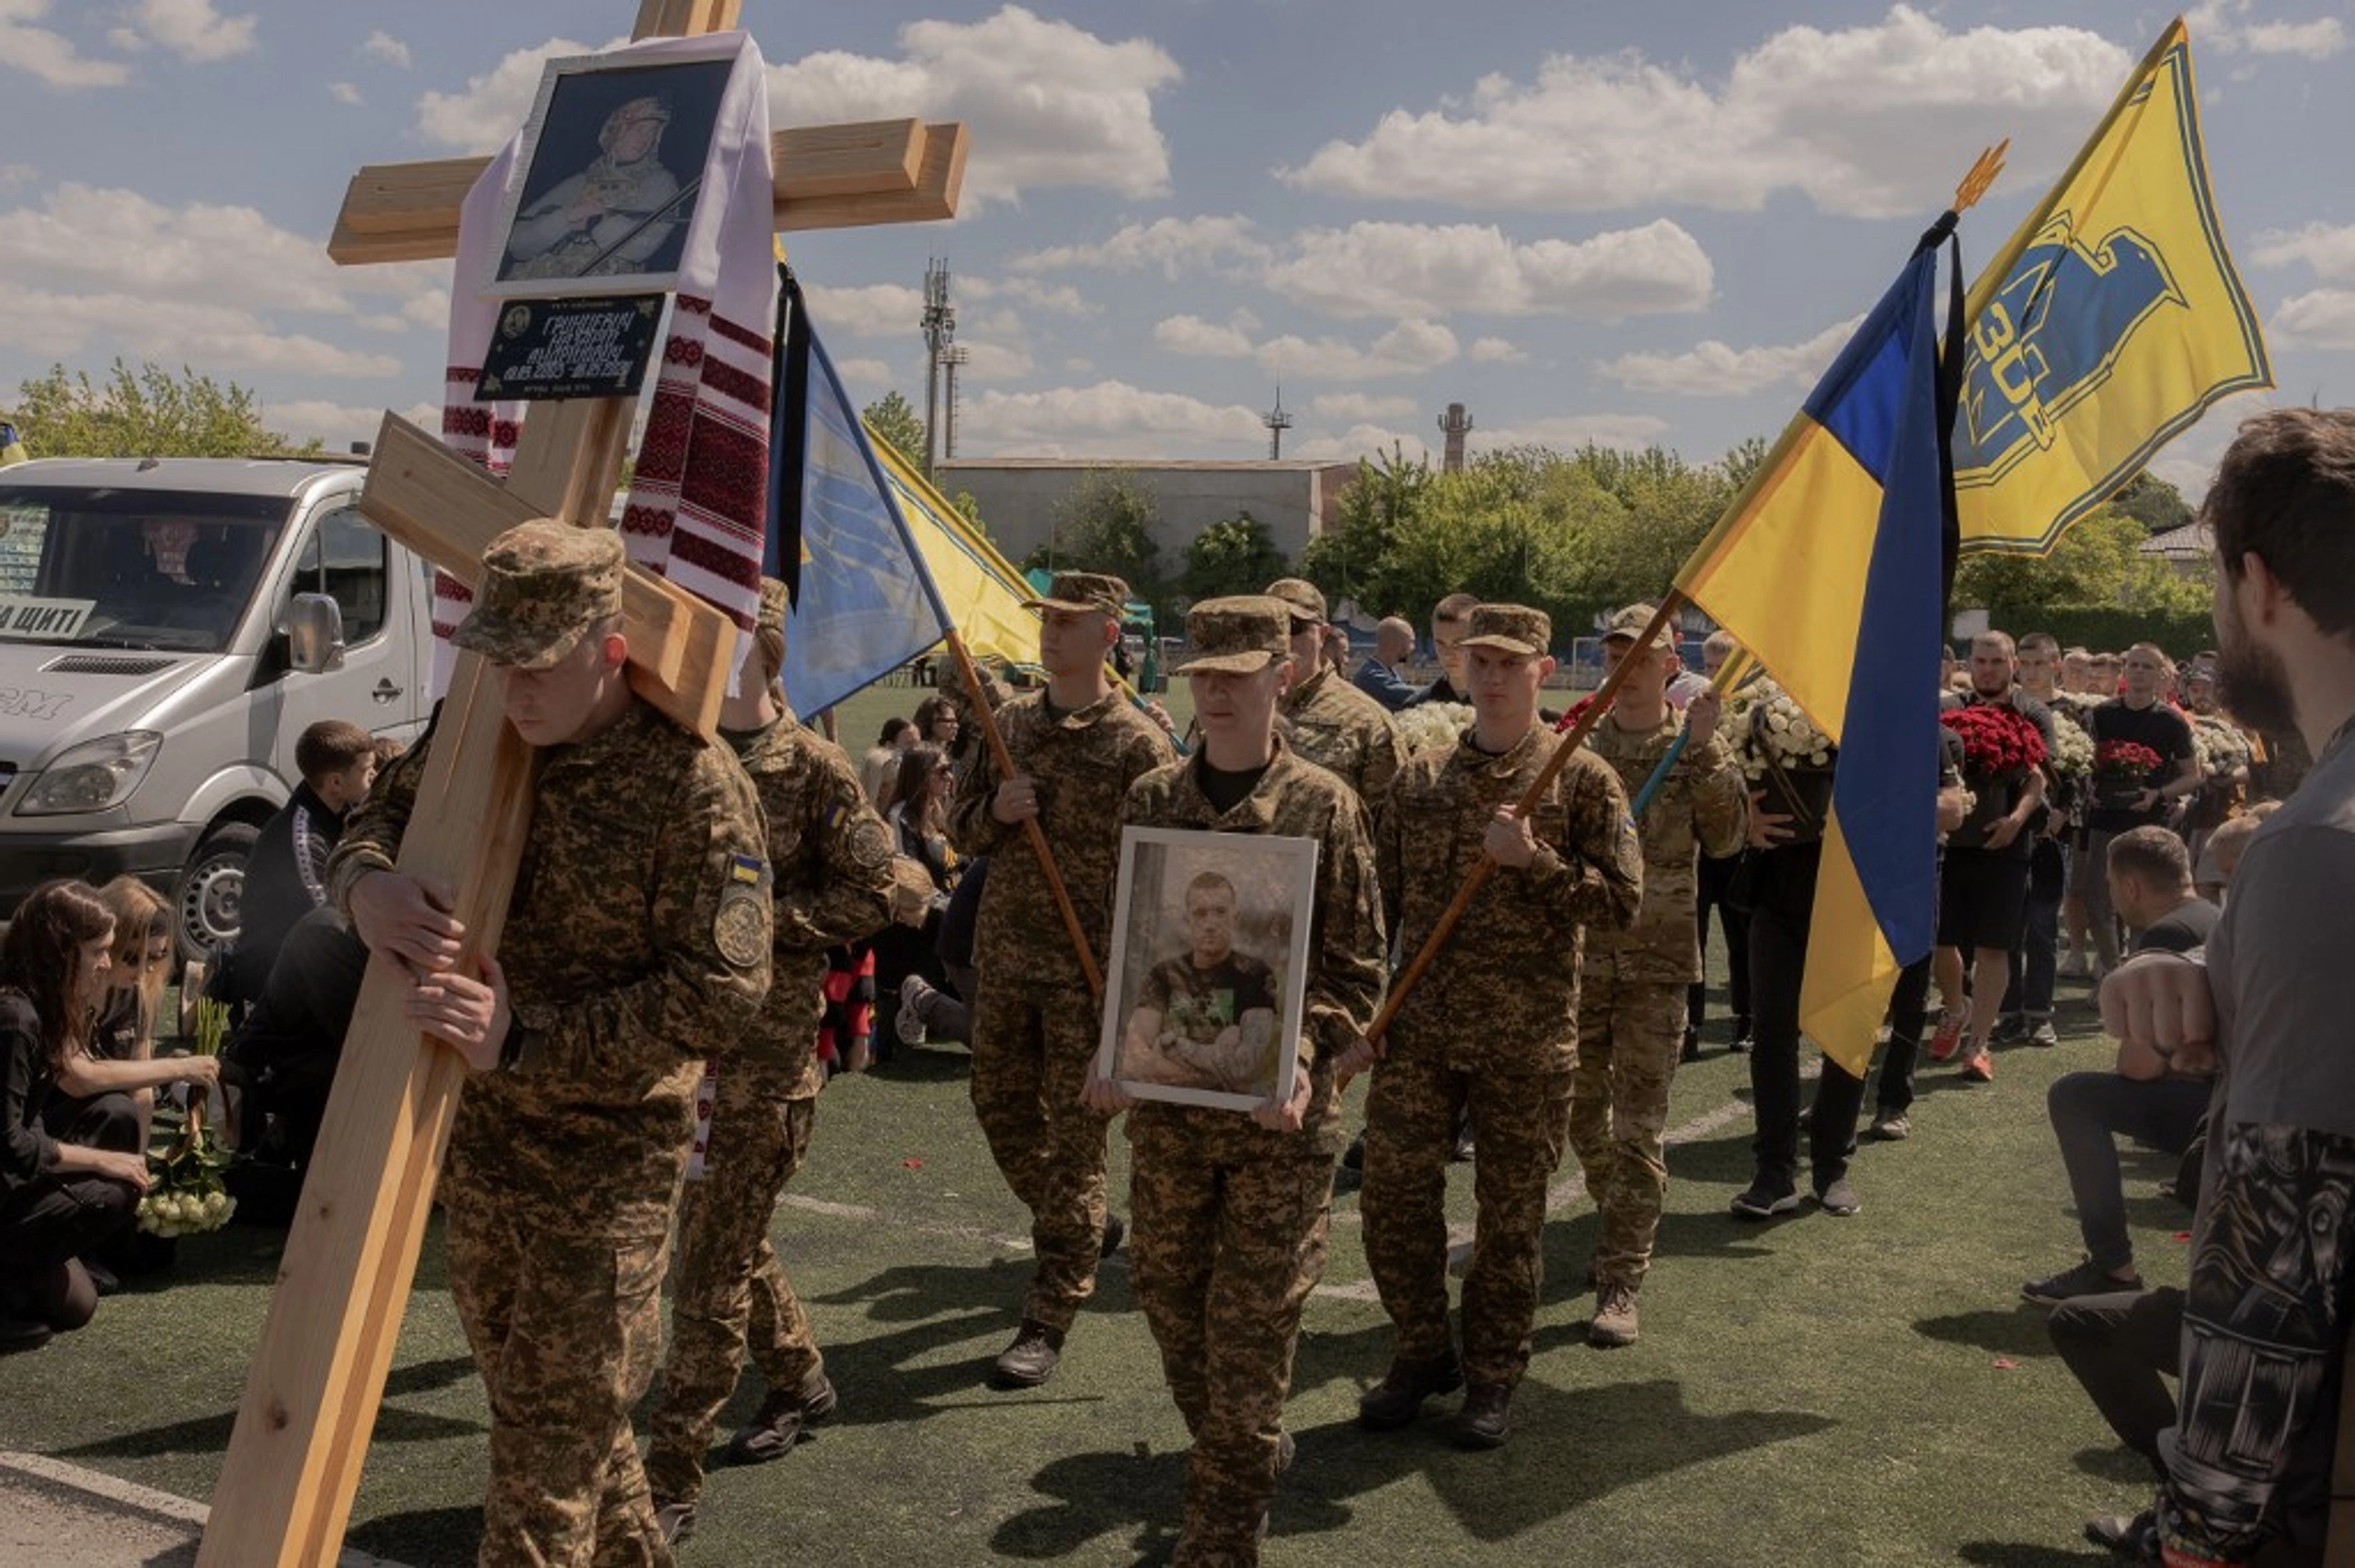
(2171,836)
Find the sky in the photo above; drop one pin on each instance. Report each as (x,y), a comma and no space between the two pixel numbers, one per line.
(1625,224)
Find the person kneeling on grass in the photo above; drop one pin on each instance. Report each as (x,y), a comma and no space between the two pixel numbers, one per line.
(1230,1212)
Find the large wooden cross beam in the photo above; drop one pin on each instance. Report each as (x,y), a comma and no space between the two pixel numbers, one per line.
(317,1377)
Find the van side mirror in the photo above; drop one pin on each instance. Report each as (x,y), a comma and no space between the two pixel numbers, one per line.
(313,628)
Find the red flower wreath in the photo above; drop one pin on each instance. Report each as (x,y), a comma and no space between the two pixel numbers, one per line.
(2124,760)
(1997,740)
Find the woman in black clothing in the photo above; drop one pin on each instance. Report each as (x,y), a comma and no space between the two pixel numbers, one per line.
(59,1199)
(903,953)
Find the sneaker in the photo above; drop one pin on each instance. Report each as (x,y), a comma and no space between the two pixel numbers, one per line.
(1980,1067)
(1837,1197)
(782,1421)
(2085,1278)
(1116,1231)
(1614,1323)
(1030,1359)
(1742,1043)
(2009,1028)
(675,1520)
(2133,1537)
(2041,1033)
(1398,1398)
(910,1023)
(1764,1199)
(1484,1421)
(1949,1038)
(1892,1127)
(2072,965)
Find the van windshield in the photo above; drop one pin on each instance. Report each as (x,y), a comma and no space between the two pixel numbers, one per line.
(127,568)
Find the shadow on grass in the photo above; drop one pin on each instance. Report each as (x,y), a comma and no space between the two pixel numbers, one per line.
(2121,1465)
(422,1535)
(2012,1331)
(1572,1448)
(210,1435)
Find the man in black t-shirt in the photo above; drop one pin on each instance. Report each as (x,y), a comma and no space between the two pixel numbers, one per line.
(2139,717)
(2151,887)
(1982,887)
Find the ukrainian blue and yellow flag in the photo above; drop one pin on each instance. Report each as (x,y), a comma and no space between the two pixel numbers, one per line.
(983,592)
(12,446)
(1828,569)
(2109,322)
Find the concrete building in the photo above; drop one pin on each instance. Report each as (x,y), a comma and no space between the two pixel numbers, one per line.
(1019,497)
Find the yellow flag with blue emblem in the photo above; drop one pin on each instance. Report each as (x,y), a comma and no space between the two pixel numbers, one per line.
(2108,323)
(12,446)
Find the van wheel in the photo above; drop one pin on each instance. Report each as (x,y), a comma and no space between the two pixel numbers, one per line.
(206,904)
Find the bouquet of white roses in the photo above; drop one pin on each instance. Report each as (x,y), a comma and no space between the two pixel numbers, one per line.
(1428,725)
(1772,731)
(2072,749)
(2221,748)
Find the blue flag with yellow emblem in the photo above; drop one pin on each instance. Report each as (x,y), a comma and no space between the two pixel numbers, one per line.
(2108,323)
(1828,571)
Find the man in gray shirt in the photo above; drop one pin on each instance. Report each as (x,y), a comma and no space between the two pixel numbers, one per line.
(2272,1282)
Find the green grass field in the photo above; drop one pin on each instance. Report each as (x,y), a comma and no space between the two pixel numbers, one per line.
(1814,1391)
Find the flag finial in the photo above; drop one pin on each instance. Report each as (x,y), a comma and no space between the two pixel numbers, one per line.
(1982,175)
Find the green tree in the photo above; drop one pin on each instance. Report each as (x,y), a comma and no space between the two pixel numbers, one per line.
(148,412)
(2097,564)
(1345,560)
(1667,506)
(891,418)
(2153,502)
(1106,525)
(1237,555)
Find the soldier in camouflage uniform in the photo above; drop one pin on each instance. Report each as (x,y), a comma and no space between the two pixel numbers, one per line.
(1492,1025)
(1329,721)
(1076,747)
(1231,1212)
(1632,992)
(638,937)
(830,856)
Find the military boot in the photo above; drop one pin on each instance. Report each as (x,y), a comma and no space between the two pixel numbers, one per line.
(1484,1421)
(778,1425)
(1398,1398)
(1613,1323)
(1030,1359)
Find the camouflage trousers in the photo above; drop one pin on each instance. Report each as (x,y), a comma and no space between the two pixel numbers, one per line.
(1631,1034)
(732,1296)
(1222,1257)
(566,1326)
(1031,1046)
(1520,1124)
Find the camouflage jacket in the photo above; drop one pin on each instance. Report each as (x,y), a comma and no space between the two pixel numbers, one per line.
(1347,952)
(1502,995)
(831,857)
(1084,762)
(1342,730)
(636,944)
(1702,808)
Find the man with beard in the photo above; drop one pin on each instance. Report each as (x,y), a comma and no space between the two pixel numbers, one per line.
(2272,1275)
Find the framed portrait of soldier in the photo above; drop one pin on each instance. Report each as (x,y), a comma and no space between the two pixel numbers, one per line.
(1210,945)
(612,166)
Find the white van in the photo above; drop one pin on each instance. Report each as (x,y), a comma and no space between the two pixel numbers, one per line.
(169,627)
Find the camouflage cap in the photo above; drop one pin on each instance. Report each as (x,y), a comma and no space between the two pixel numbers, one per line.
(1306,603)
(1511,628)
(544,583)
(1084,590)
(1236,635)
(1626,624)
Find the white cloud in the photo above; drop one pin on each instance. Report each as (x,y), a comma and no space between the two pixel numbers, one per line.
(1373,270)
(173,330)
(992,362)
(47,55)
(1061,298)
(1110,418)
(190,28)
(2322,319)
(2219,25)
(345,93)
(870,377)
(482,117)
(1712,369)
(1173,246)
(381,45)
(338,425)
(1409,348)
(1568,431)
(1870,121)
(866,310)
(1048,103)
(15,176)
(1494,351)
(2328,248)
(1365,440)
(1192,335)
(1360,406)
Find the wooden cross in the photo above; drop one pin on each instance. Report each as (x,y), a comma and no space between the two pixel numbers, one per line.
(294,1458)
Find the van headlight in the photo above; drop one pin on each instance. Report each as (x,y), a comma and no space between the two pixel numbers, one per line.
(93,775)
